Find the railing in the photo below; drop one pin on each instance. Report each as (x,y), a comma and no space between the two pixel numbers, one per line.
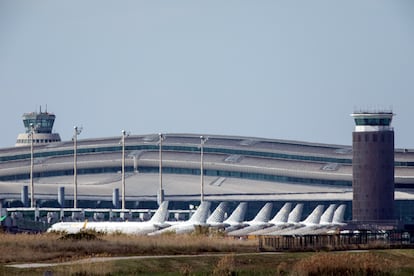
(338,241)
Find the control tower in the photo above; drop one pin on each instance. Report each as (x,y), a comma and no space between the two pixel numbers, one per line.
(373,167)
(41,124)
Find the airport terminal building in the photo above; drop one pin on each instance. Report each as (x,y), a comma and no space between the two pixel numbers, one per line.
(234,169)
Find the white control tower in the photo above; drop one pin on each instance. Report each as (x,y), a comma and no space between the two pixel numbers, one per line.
(40,124)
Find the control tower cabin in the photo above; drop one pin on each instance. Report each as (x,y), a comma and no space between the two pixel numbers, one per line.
(373,167)
(41,125)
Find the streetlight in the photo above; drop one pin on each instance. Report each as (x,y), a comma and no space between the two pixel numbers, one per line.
(32,203)
(77,131)
(160,196)
(124,135)
(203,140)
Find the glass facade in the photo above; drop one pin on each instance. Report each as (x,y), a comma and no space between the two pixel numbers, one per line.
(183,148)
(43,122)
(372,121)
(404,209)
(188,171)
(189,148)
(37,141)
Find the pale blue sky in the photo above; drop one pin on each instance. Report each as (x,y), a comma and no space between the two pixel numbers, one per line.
(274,69)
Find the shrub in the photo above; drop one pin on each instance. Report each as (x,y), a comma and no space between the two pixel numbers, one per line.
(186,270)
(343,264)
(81,236)
(225,266)
(201,230)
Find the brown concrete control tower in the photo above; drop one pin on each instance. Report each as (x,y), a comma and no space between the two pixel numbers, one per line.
(373,167)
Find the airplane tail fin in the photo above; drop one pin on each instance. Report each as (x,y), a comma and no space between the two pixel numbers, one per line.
(84,224)
(339,214)
(201,214)
(218,215)
(315,216)
(238,214)
(296,214)
(161,214)
(264,213)
(282,215)
(327,216)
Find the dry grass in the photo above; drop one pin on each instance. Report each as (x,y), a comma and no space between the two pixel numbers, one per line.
(225,266)
(51,247)
(360,263)
(366,263)
(86,269)
(383,262)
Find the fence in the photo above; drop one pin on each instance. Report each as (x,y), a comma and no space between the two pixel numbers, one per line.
(338,241)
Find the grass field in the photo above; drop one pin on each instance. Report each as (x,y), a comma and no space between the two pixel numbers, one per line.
(211,255)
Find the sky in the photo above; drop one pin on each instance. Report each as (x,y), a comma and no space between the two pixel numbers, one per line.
(272,69)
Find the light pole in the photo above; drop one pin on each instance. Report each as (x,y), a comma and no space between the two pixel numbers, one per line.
(203,140)
(124,135)
(160,197)
(32,203)
(77,131)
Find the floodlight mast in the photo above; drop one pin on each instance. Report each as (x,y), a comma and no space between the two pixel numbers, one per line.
(77,131)
(160,197)
(32,203)
(124,135)
(203,140)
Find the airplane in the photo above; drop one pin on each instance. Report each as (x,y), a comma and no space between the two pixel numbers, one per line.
(338,217)
(325,220)
(337,220)
(217,217)
(328,215)
(312,219)
(279,218)
(261,218)
(71,227)
(327,226)
(180,227)
(156,222)
(235,219)
(293,218)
